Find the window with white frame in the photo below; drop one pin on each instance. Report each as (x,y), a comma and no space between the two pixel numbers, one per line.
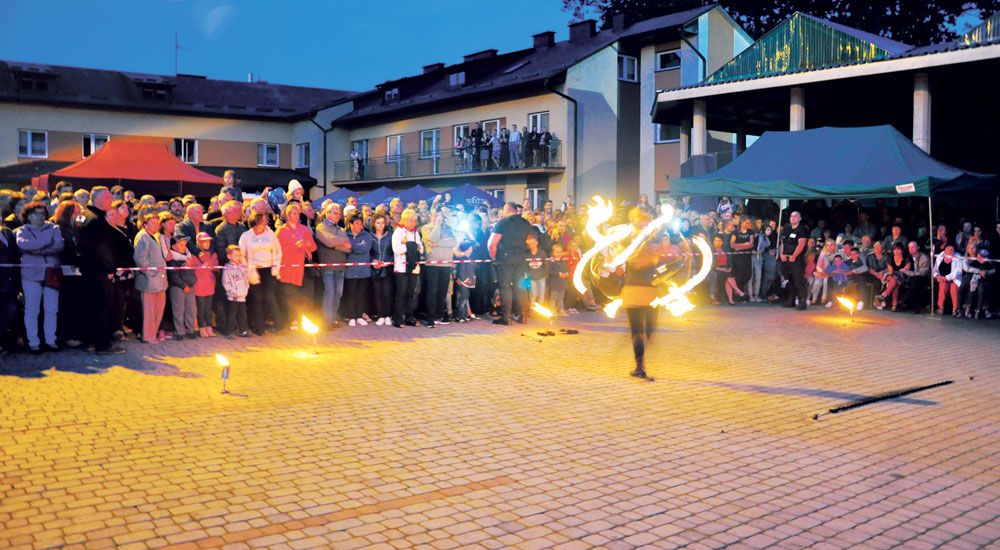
(430,143)
(392,96)
(302,155)
(456,79)
(458,132)
(93,142)
(628,68)
(490,125)
(496,193)
(32,144)
(537,195)
(267,154)
(186,150)
(666,133)
(538,121)
(394,148)
(666,61)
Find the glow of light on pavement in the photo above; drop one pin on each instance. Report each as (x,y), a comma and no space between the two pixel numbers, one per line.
(612,309)
(541,310)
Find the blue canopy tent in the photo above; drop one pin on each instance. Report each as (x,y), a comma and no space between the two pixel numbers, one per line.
(828,163)
(471,196)
(339,196)
(381,195)
(416,194)
(857,163)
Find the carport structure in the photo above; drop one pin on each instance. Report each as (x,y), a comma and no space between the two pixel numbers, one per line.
(809,72)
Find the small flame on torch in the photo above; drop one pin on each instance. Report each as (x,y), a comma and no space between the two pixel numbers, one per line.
(541,310)
(222,360)
(612,309)
(308,326)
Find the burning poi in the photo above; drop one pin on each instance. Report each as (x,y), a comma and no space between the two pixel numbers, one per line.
(649,267)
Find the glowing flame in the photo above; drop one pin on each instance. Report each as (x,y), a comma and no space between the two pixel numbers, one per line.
(541,310)
(846,303)
(222,360)
(308,326)
(612,309)
(675,300)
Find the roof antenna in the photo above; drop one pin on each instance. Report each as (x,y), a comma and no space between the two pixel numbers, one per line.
(177,48)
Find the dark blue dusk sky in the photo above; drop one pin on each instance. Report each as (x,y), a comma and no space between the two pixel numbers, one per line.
(327,44)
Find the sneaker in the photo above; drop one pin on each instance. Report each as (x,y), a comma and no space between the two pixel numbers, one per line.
(861,306)
(387,321)
(444,321)
(244,334)
(362,322)
(501,321)
(431,324)
(161,335)
(828,305)
(113,350)
(473,316)
(573,310)
(638,373)
(398,325)
(71,343)
(35,350)
(352,323)
(380,322)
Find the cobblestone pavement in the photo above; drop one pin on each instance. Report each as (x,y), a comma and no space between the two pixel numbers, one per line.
(474,436)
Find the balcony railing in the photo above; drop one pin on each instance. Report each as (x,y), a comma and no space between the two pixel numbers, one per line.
(445,162)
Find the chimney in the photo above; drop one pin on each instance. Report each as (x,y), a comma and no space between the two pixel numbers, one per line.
(582,30)
(543,40)
(618,22)
(433,67)
(485,54)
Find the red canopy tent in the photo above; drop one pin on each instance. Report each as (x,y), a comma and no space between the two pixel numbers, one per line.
(41,182)
(143,168)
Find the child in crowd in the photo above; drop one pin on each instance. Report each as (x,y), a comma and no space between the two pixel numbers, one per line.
(204,286)
(180,289)
(236,281)
(538,270)
(837,271)
(558,280)
(572,257)
(465,279)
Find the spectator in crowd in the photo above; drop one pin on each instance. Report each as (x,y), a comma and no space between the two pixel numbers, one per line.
(10,283)
(205,262)
(262,252)
(948,275)
(332,246)
(382,264)
(920,278)
(896,237)
(40,243)
(820,277)
(538,270)
(741,244)
(508,250)
(407,247)
(180,288)
(100,267)
(236,282)
(877,263)
(297,244)
(193,224)
(439,246)
(977,280)
(152,283)
(514,146)
(231,185)
(69,325)
(357,278)
(896,275)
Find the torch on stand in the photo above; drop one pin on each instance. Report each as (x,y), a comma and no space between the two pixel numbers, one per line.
(225,370)
(313,330)
(851,306)
(544,312)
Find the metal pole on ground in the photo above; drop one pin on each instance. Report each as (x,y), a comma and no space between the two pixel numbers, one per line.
(930,216)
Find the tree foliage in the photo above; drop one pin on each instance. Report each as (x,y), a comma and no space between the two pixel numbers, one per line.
(911,22)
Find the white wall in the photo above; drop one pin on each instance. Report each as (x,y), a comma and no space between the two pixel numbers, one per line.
(647,161)
(593,82)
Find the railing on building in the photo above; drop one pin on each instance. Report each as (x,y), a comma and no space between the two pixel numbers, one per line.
(444,162)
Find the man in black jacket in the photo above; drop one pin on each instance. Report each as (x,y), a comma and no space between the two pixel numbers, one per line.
(476,135)
(98,267)
(509,251)
(10,284)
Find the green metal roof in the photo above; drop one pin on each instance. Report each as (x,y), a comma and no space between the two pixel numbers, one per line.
(804,42)
(986,33)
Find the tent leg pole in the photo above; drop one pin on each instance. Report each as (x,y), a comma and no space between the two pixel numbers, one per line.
(930,228)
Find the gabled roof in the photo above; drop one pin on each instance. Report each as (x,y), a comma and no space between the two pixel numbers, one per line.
(179,94)
(804,42)
(505,72)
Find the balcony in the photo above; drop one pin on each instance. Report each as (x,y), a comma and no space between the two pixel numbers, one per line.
(443,164)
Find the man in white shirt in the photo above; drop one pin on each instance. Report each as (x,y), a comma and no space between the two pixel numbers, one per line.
(514,145)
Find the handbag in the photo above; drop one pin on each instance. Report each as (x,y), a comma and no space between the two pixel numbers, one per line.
(53,277)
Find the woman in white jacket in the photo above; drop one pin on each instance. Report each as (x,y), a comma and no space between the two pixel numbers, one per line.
(262,250)
(407,248)
(948,276)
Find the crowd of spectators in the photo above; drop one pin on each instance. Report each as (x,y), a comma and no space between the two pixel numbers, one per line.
(241,269)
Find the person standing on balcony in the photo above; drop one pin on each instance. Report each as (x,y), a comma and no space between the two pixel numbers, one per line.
(544,139)
(496,148)
(530,146)
(356,165)
(504,148)
(476,135)
(514,146)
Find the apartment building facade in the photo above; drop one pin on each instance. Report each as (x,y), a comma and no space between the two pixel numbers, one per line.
(592,93)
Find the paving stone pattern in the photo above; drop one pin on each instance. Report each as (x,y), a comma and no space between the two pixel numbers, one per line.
(474,436)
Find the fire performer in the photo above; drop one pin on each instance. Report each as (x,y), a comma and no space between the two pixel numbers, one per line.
(638,293)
